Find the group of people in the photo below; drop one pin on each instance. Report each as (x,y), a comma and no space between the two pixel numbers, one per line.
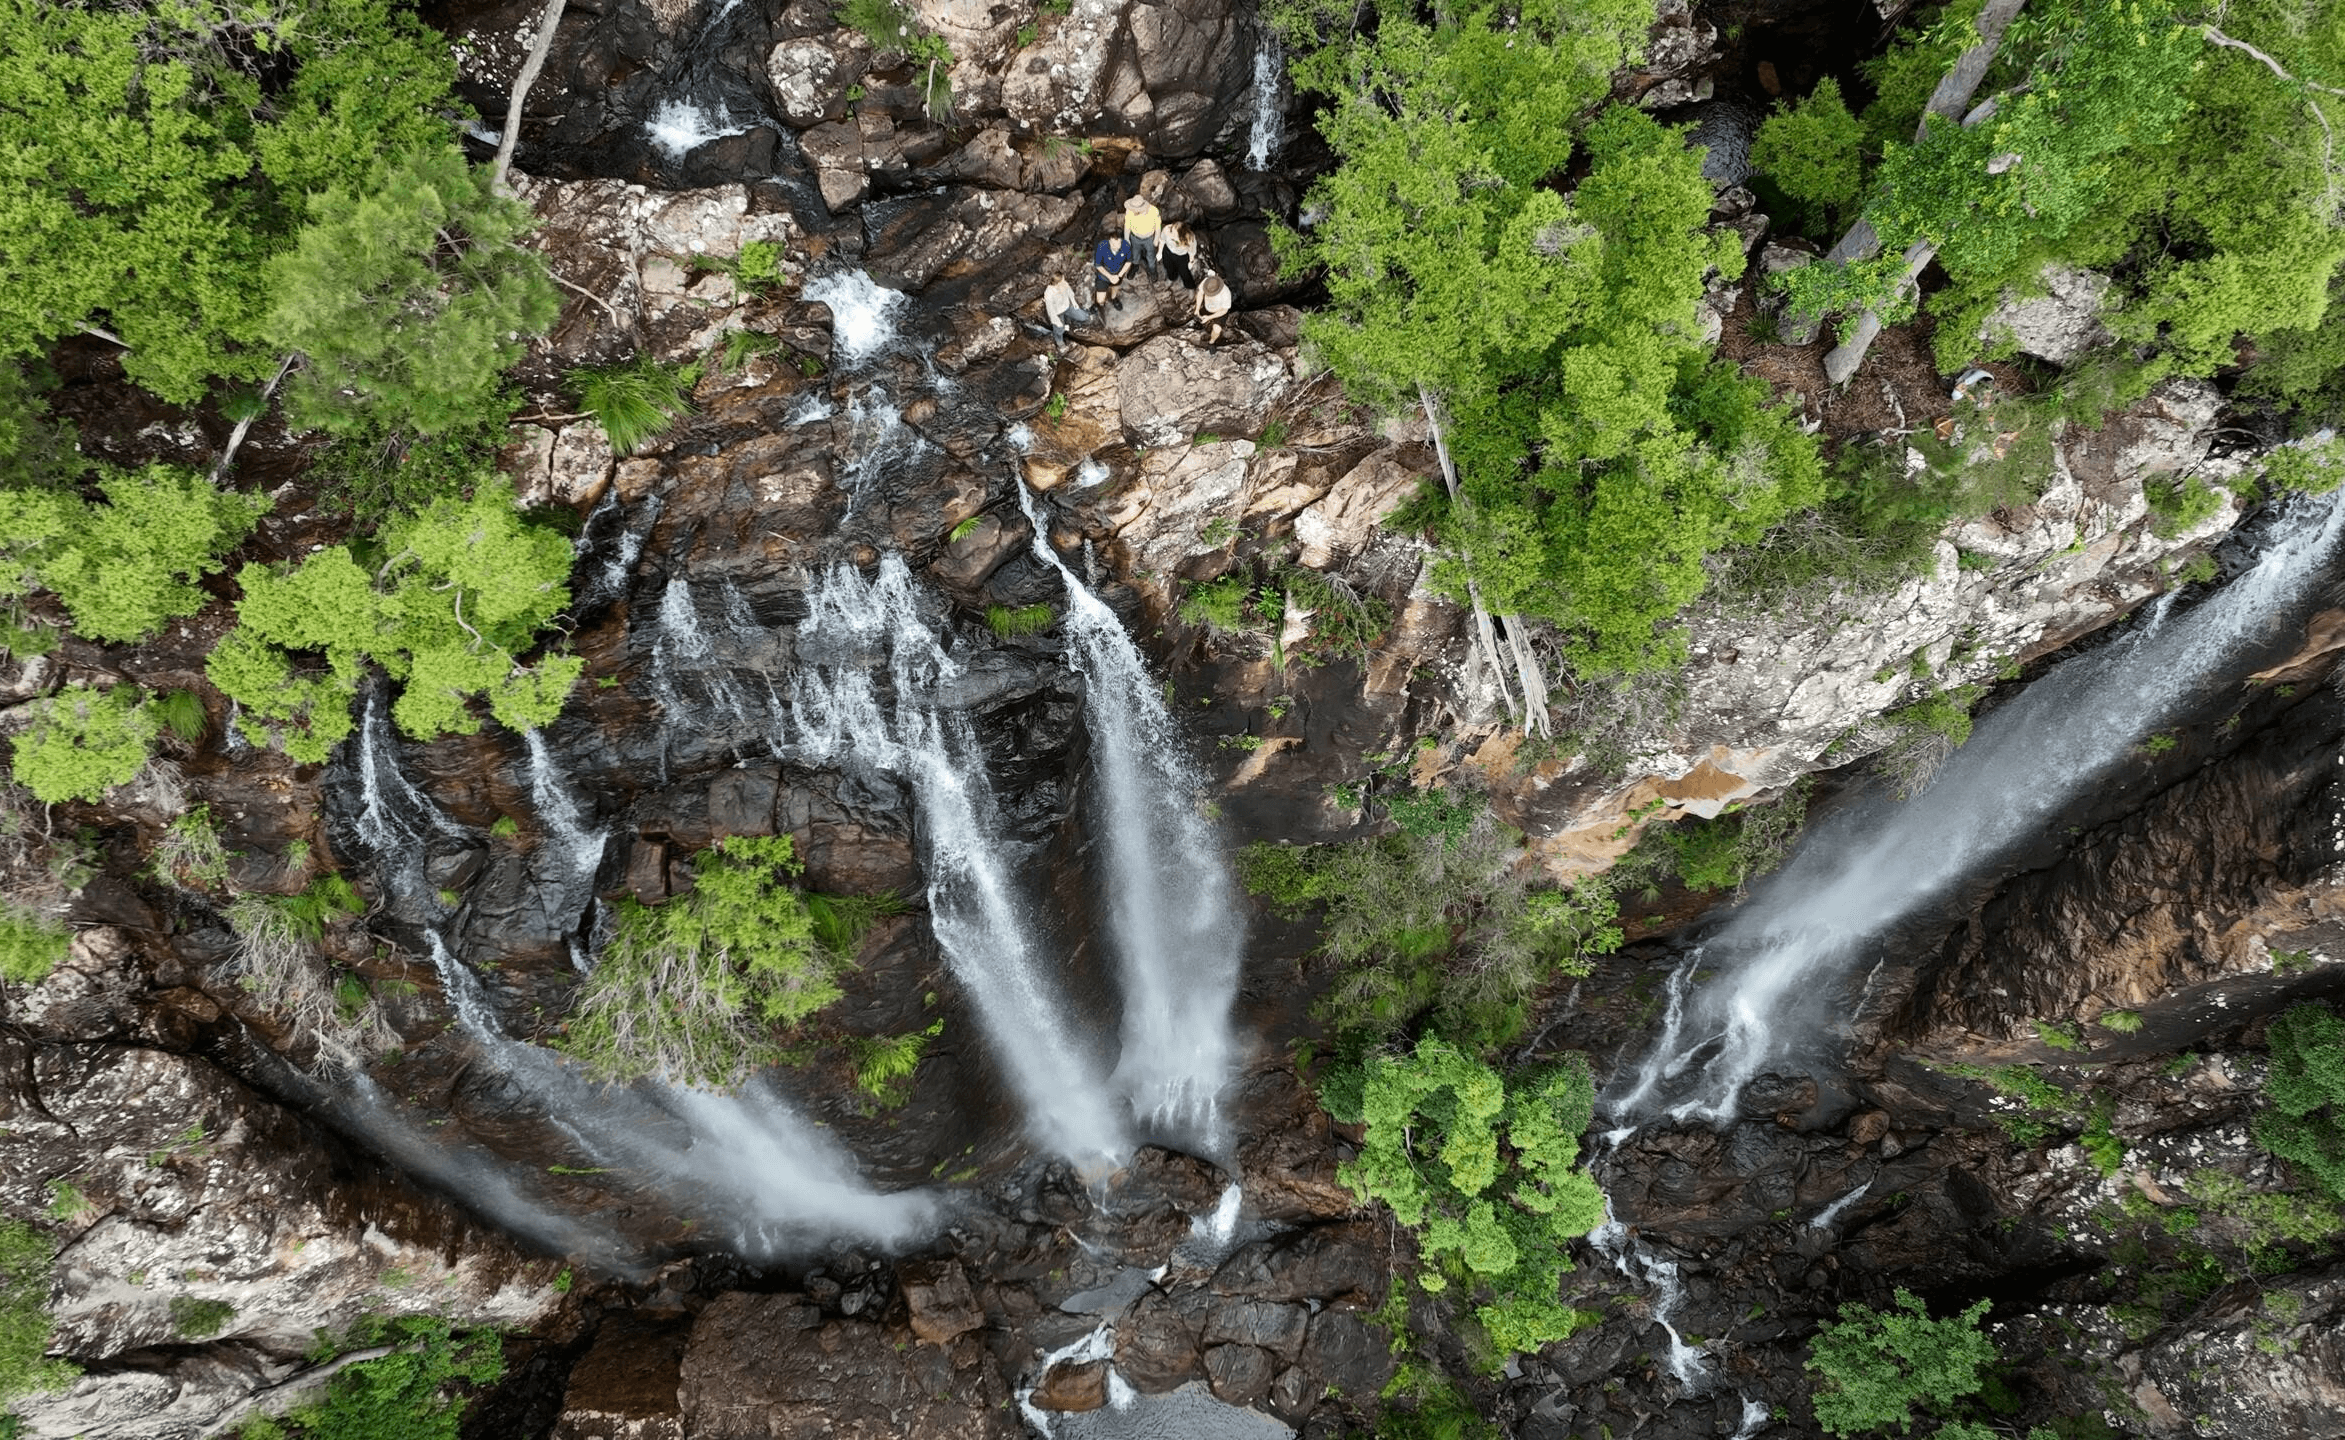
(1140,236)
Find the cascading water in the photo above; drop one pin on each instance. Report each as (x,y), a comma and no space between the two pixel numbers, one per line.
(578,850)
(863,313)
(1171,917)
(852,626)
(1268,130)
(393,814)
(1874,863)
(682,647)
(1613,1241)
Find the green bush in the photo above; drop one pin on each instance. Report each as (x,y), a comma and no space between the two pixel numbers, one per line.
(694,990)
(2178,504)
(1016,622)
(410,1395)
(1480,1168)
(1227,606)
(1724,853)
(1876,1365)
(1344,624)
(407,298)
(884,1063)
(637,400)
(25,1322)
(1812,152)
(759,268)
(124,568)
(374,478)
(30,947)
(83,742)
(190,855)
(465,587)
(2306,1124)
(193,1319)
(2123,1022)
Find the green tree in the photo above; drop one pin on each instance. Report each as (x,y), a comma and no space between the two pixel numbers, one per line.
(153,158)
(25,1322)
(466,586)
(696,989)
(411,1394)
(1480,1167)
(406,299)
(1812,153)
(1875,1366)
(83,742)
(127,566)
(2306,1124)
(1601,455)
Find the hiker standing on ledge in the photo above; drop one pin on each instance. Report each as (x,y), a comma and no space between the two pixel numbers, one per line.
(1141,222)
(1182,261)
(1110,263)
(1212,307)
(1058,304)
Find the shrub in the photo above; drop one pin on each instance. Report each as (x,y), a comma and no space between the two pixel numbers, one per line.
(376,477)
(30,946)
(2124,1022)
(195,1319)
(25,1322)
(1344,624)
(190,856)
(182,713)
(2055,1035)
(841,921)
(884,1063)
(407,298)
(757,269)
(694,989)
(2306,1124)
(1724,853)
(1924,735)
(1227,606)
(466,585)
(1017,622)
(1812,153)
(1876,1365)
(1480,1167)
(83,742)
(278,963)
(2179,503)
(407,1395)
(124,568)
(637,400)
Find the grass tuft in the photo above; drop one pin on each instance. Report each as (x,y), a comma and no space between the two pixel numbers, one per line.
(637,400)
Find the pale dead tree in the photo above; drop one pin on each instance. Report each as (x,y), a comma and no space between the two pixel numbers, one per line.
(1948,101)
(1525,663)
(547,23)
(236,436)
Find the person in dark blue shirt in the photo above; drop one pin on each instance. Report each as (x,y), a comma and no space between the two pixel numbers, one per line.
(1111,262)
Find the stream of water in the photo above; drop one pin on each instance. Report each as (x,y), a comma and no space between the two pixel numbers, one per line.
(1172,917)
(1786,952)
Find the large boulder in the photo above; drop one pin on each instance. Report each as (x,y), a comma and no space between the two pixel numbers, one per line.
(755,1371)
(2058,325)
(1172,389)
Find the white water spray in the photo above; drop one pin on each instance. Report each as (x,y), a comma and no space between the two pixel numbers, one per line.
(863,313)
(1872,864)
(393,814)
(1171,916)
(1687,1362)
(853,627)
(680,127)
(580,848)
(1269,128)
(1839,1207)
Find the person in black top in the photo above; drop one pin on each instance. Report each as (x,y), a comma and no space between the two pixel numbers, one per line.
(1111,262)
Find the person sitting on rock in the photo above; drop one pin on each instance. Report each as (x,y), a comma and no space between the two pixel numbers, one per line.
(1212,307)
(1184,258)
(1111,261)
(1058,303)
(1142,220)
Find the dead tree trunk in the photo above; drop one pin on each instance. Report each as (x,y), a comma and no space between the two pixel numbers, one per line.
(547,23)
(1948,101)
(1526,664)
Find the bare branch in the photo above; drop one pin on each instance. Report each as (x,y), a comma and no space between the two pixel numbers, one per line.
(547,23)
(616,322)
(236,436)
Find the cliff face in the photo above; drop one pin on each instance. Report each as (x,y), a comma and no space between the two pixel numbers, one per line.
(903,419)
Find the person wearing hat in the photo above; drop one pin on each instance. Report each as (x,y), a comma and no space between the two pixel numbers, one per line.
(1212,306)
(1111,263)
(1184,257)
(1142,221)
(1058,304)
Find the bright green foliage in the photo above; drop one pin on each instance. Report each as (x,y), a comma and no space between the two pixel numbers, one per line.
(84,742)
(2100,1143)
(1876,1365)
(1015,622)
(2124,1022)
(1479,1167)
(841,921)
(327,899)
(34,448)
(30,946)
(1601,455)
(1811,153)
(409,1395)
(1442,921)
(182,713)
(1725,853)
(884,1063)
(636,401)
(153,158)
(1345,624)
(406,298)
(125,567)
(2315,468)
(2179,504)
(694,989)
(25,1323)
(1228,606)
(758,268)
(190,855)
(195,1319)
(467,585)
(1441,1413)
(2306,1124)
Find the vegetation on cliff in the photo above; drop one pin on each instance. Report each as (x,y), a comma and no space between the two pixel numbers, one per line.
(2306,1124)
(25,1323)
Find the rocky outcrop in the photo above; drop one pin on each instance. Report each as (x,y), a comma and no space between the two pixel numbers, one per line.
(2058,325)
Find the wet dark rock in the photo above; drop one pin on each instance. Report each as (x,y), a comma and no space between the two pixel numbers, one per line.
(1156,1343)
(943,1306)
(1778,1097)
(751,1374)
(1348,1352)
(1326,1262)
(1072,1386)
(1258,1323)
(624,1388)
(1240,1374)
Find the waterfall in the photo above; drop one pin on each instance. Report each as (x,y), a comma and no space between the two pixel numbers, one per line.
(601,584)
(1873,863)
(877,438)
(462,990)
(680,127)
(681,644)
(987,938)
(863,313)
(1172,918)
(1839,1207)
(393,814)
(565,832)
(1612,1240)
(1269,127)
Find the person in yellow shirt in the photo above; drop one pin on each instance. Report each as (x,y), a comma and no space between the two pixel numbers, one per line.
(1141,222)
